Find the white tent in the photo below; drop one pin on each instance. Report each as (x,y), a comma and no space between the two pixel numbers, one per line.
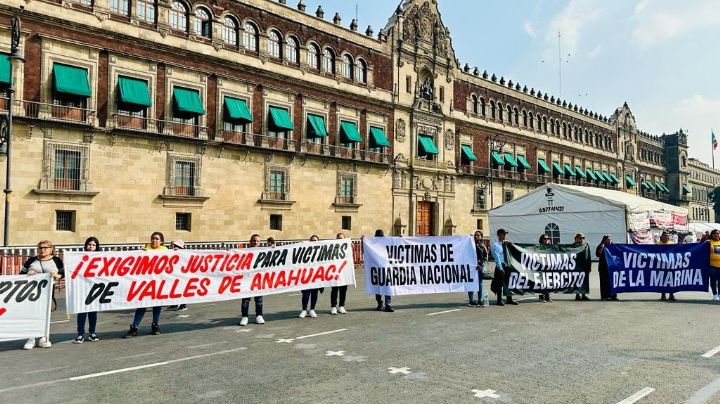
(563,210)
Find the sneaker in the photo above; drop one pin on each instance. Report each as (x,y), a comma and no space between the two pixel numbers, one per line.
(30,344)
(172,308)
(379,307)
(662,297)
(672,298)
(472,303)
(133,332)
(716,297)
(303,314)
(548,300)
(578,298)
(500,302)
(259,319)
(342,310)
(93,337)
(585,298)
(333,311)
(154,329)
(182,307)
(44,342)
(313,314)
(243,321)
(79,339)
(512,302)
(389,309)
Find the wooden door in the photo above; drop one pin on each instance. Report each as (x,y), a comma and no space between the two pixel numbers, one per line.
(425,223)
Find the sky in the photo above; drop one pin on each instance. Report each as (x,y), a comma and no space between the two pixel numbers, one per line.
(662,57)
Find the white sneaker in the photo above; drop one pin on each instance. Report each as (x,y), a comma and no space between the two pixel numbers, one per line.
(243,321)
(45,343)
(259,320)
(30,344)
(333,311)
(312,314)
(303,314)
(716,297)
(342,310)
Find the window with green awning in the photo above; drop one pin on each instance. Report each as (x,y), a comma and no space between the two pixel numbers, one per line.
(349,133)
(590,173)
(468,153)
(608,178)
(580,172)
(523,163)
(557,169)
(280,120)
(5,69)
(510,160)
(187,101)
(686,189)
(236,110)
(614,178)
(645,185)
(427,145)
(599,176)
(316,126)
(378,138)
(497,159)
(662,187)
(629,182)
(134,92)
(71,80)
(650,185)
(542,166)
(568,170)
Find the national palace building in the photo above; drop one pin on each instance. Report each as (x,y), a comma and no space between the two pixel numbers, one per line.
(216,119)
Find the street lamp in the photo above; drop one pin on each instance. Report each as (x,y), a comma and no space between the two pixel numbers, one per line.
(6,129)
(495,143)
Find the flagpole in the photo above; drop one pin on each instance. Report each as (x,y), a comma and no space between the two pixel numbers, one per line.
(712,149)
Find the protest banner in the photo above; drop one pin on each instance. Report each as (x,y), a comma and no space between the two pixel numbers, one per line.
(658,268)
(25,306)
(125,280)
(547,268)
(417,265)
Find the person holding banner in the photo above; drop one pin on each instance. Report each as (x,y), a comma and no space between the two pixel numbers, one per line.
(44,262)
(499,284)
(156,244)
(482,257)
(338,290)
(665,240)
(177,245)
(715,264)
(309,295)
(245,302)
(91,244)
(378,298)
(581,294)
(603,269)
(544,240)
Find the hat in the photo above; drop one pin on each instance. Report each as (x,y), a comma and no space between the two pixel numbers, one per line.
(501,231)
(178,243)
(579,235)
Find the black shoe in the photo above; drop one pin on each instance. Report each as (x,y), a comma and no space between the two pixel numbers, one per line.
(548,299)
(182,307)
(578,298)
(93,337)
(132,333)
(389,309)
(500,302)
(379,307)
(662,297)
(541,298)
(512,302)
(154,329)
(614,298)
(472,303)
(672,297)
(172,308)
(585,298)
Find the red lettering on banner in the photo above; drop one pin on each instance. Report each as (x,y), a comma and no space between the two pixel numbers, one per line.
(230,282)
(190,288)
(303,279)
(280,280)
(159,292)
(174,294)
(217,257)
(105,270)
(2,310)
(319,274)
(171,264)
(293,278)
(330,273)
(148,291)
(231,262)
(342,266)
(256,282)
(125,265)
(268,278)
(144,265)
(246,261)
(93,264)
(204,283)
(133,291)
(79,267)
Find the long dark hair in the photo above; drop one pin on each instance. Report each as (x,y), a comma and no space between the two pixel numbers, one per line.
(89,239)
(601,246)
(157,233)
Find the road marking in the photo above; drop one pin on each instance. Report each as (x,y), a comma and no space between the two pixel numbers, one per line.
(27,386)
(705,394)
(711,352)
(322,333)
(334,353)
(485,393)
(637,396)
(183,316)
(43,370)
(443,312)
(405,371)
(285,340)
(134,356)
(59,321)
(206,345)
(294,294)
(123,370)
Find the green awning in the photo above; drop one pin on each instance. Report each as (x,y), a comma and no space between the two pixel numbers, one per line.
(510,160)
(71,80)
(629,182)
(236,110)
(614,179)
(591,174)
(497,158)
(378,138)
(686,190)
(580,172)
(645,186)
(557,169)
(427,145)
(523,163)
(280,120)
(134,92)
(599,176)
(468,153)
(608,178)
(542,167)
(568,170)
(349,133)
(5,69)
(662,187)
(651,185)
(188,101)
(316,126)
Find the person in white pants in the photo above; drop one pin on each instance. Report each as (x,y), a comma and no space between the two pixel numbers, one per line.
(44,262)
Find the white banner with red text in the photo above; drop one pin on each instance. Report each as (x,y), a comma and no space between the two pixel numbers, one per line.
(101,281)
(25,306)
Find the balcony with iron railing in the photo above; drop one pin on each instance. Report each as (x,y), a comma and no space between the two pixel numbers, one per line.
(159,126)
(426,163)
(183,191)
(50,112)
(65,184)
(275,196)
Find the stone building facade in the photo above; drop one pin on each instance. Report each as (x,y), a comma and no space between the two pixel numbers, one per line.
(702,180)
(213,120)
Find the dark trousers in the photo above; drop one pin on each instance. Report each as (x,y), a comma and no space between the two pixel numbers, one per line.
(312,296)
(342,291)
(81,322)
(388,300)
(140,313)
(715,280)
(245,306)
(605,284)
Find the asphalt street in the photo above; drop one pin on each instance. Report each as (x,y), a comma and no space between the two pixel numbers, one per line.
(434,348)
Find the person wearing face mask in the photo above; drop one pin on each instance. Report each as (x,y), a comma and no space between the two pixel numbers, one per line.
(156,244)
(44,262)
(91,244)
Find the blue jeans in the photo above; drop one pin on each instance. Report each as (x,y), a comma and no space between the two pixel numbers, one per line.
(388,299)
(480,292)
(81,322)
(245,306)
(715,280)
(140,313)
